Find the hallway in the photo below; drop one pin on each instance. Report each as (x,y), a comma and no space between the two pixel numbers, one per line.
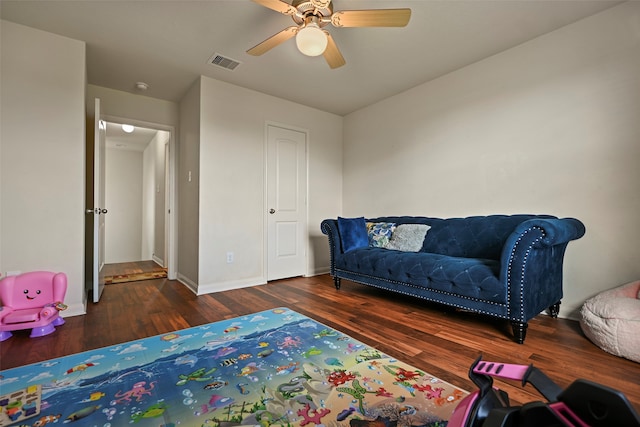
(125,272)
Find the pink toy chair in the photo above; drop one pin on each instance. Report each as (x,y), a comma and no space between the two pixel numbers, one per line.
(32,301)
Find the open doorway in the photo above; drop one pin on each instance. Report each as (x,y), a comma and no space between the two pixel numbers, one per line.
(136,196)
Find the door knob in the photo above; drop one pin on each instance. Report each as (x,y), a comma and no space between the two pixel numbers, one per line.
(272,211)
(96,211)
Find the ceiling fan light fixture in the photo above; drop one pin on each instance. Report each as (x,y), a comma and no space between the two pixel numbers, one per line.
(311,40)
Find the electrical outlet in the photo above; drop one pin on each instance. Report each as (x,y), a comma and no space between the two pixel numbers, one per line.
(229,257)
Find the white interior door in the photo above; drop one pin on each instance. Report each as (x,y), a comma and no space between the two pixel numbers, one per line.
(286,202)
(99,211)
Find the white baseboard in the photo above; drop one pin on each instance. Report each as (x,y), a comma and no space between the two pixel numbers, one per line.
(157,260)
(210,288)
(566,312)
(74,310)
(230,285)
(571,312)
(318,272)
(188,283)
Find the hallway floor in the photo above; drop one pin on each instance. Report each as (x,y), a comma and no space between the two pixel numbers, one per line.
(135,270)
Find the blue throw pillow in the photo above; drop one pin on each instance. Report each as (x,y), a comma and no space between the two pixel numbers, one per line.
(353,233)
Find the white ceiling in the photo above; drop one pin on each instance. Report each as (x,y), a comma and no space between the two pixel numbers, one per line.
(167,43)
(137,140)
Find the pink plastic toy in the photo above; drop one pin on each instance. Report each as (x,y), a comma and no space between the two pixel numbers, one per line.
(32,301)
(583,404)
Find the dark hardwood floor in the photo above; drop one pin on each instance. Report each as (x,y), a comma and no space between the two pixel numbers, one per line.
(439,340)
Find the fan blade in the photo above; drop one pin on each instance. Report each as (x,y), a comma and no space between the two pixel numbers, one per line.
(273,41)
(371,18)
(278,6)
(332,54)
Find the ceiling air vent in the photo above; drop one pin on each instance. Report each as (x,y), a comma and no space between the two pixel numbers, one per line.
(224,62)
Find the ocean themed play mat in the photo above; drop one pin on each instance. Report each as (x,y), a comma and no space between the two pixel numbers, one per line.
(273,368)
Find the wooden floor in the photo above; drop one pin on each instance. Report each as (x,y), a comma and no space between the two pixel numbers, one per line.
(441,341)
(134,267)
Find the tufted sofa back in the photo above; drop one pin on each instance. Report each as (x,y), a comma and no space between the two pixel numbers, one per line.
(471,237)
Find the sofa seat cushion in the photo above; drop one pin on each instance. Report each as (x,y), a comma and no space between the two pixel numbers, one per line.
(467,277)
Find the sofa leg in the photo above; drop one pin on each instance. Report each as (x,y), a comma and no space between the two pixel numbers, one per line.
(554,310)
(519,331)
(336,282)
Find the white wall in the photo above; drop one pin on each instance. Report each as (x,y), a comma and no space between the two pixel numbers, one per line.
(188,187)
(550,126)
(153,208)
(123,200)
(132,106)
(147,239)
(159,145)
(232,181)
(42,156)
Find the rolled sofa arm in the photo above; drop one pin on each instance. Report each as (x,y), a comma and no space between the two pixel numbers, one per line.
(531,263)
(555,231)
(539,233)
(330,228)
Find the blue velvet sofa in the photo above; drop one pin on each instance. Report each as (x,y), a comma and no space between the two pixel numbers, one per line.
(506,266)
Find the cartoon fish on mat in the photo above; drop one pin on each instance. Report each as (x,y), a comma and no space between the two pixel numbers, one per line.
(216,385)
(228,362)
(225,351)
(93,396)
(248,370)
(265,353)
(152,411)
(325,333)
(189,359)
(313,351)
(308,324)
(80,367)
(287,369)
(216,402)
(351,347)
(333,361)
(46,420)
(84,412)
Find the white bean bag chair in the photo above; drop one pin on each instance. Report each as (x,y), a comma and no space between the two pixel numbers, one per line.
(611,320)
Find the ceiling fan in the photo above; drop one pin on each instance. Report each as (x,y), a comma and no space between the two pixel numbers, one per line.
(311,16)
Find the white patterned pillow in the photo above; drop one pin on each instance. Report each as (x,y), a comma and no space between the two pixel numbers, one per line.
(408,237)
(380,233)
